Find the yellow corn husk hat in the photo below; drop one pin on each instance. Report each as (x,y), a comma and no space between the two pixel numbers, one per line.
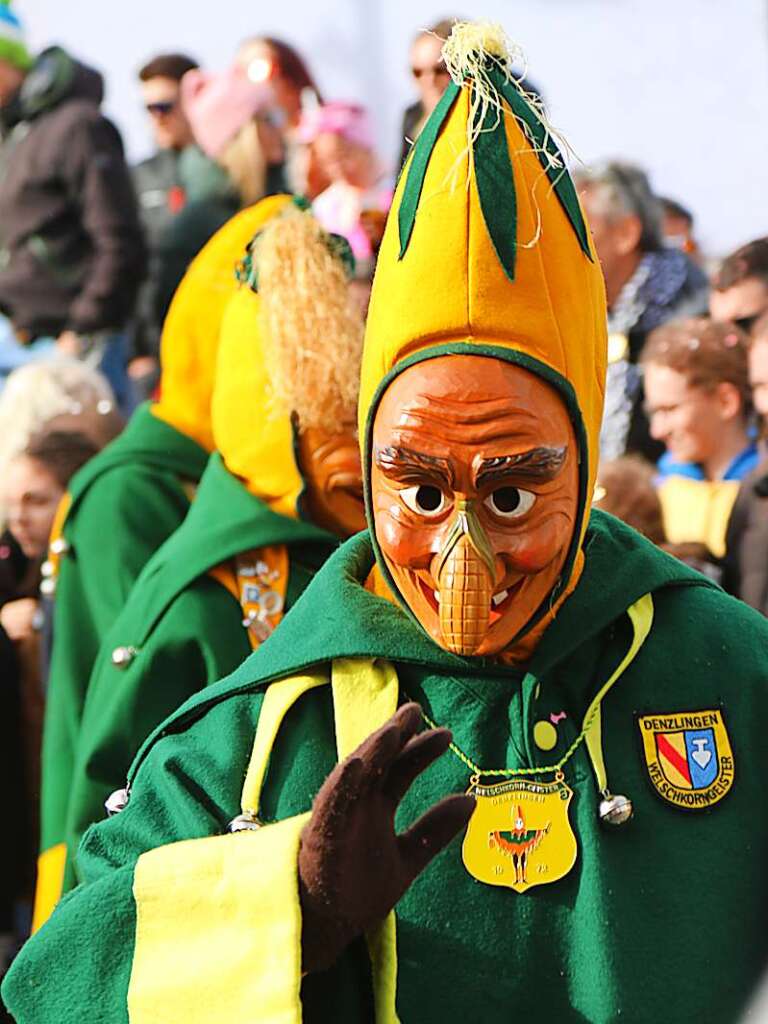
(190,338)
(291,344)
(487,251)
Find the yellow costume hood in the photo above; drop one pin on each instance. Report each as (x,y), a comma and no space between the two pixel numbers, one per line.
(487,251)
(190,338)
(289,356)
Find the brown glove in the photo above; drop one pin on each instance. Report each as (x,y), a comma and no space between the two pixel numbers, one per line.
(353,867)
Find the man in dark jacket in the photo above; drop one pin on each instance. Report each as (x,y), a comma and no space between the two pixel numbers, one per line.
(71,250)
(161,195)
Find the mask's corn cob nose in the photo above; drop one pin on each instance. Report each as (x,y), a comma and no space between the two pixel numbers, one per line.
(465,579)
(465,599)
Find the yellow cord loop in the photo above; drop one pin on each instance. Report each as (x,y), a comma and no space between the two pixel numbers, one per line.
(641,616)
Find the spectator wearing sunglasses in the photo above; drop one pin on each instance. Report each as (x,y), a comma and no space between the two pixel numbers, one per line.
(646,285)
(430,78)
(740,286)
(160,89)
(161,195)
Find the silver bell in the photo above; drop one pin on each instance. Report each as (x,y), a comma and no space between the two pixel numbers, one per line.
(59,546)
(615,810)
(123,656)
(117,801)
(246,822)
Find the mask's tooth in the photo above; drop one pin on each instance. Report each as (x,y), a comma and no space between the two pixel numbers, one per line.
(498,598)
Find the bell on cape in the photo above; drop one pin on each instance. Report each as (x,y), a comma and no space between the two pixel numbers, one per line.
(615,810)
(116,802)
(123,656)
(246,822)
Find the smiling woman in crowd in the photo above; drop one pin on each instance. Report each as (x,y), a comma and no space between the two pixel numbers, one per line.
(699,403)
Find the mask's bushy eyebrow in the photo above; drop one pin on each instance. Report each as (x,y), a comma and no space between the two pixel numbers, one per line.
(408,465)
(538,465)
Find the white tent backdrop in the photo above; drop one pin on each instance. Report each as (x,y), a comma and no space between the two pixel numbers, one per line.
(680,86)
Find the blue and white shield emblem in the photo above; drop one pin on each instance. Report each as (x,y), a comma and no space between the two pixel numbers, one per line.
(701,748)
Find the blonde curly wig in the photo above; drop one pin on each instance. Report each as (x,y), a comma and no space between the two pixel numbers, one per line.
(312,332)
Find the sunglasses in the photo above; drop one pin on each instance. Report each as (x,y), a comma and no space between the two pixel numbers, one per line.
(160,109)
(436,70)
(746,323)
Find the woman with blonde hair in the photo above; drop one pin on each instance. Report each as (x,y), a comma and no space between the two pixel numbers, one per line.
(237,160)
(272,60)
(51,396)
(61,394)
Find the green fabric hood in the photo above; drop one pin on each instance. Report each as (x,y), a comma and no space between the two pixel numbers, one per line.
(224,520)
(146,439)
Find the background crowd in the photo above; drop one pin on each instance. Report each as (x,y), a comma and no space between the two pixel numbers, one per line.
(92,252)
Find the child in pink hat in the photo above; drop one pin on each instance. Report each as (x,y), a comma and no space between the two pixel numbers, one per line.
(219,104)
(339,141)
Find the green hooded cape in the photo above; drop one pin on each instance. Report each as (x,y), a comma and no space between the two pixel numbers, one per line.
(125,502)
(186,629)
(650,913)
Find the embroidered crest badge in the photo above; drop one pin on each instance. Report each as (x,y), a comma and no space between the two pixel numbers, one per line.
(688,756)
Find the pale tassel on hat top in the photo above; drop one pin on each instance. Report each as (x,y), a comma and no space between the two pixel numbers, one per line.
(479,58)
(471,52)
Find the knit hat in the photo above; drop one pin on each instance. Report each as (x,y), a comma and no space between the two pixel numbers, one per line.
(13,49)
(349,120)
(218,105)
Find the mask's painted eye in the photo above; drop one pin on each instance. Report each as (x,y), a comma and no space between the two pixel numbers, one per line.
(424,500)
(510,502)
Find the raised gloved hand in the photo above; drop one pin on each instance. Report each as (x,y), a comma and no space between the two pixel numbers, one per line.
(353,867)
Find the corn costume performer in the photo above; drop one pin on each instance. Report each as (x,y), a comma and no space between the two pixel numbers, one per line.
(480,406)
(119,509)
(248,547)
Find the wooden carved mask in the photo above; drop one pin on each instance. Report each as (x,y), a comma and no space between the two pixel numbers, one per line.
(474,489)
